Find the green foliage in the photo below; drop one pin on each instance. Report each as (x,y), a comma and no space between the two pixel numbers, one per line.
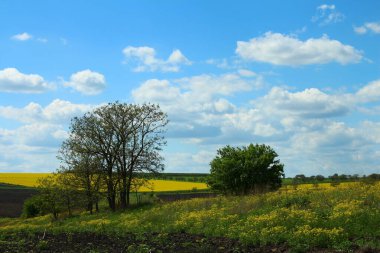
(335,218)
(32,207)
(50,196)
(245,170)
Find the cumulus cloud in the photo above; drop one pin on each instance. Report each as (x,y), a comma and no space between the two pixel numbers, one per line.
(201,103)
(279,49)
(12,80)
(195,94)
(57,112)
(35,135)
(33,146)
(188,162)
(373,27)
(87,82)
(220,63)
(22,36)
(370,92)
(327,14)
(146,60)
(309,103)
(308,121)
(25,158)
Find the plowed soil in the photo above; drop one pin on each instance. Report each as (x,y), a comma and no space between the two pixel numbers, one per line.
(148,242)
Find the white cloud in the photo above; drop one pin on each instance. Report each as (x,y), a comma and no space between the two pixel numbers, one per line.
(220,63)
(146,60)
(87,82)
(188,162)
(327,14)
(22,36)
(195,94)
(308,122)
(57,112)
(196,105)
(33,146)
(25,158)
(309,103)
(326,7)
(11,80)
(279,49)
(246,72)
(368,27)
(370,92)
(36,135)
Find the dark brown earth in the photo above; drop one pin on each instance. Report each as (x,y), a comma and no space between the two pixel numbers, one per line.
(182,196)
(148,242)
(91,242)
(12,200)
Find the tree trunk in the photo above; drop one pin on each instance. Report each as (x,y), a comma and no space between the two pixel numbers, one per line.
(111,191)
(128,186)
(112,201)
(89,206)
(89,201)
(124,198)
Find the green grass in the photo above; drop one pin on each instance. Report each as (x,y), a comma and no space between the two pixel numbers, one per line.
(336,218)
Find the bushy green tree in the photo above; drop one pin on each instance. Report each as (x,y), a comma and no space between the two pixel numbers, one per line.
(244,170)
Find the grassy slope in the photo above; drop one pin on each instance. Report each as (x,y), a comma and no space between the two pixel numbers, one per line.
(336,218)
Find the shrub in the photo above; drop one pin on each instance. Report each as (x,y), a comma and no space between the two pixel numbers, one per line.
(32,207)
(245,170)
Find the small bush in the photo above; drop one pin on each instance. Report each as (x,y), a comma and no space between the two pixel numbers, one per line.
(32,207)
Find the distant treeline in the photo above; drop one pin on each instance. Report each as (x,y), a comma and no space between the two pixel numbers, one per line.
(302,179)
(185,177)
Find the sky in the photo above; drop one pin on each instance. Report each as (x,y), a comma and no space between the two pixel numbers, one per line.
(300,76)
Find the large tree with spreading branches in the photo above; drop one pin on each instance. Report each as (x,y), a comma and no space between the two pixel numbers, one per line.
(121,140)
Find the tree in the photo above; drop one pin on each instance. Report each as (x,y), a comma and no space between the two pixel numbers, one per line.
(319,178)
(335,181)
(92,137)
(84,173)
(125,139)
(139,135)
(50,196)
(244,170)
(299,179)
(69,194)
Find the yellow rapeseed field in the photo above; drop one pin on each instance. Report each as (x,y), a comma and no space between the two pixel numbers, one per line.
(30,179)
(24,179)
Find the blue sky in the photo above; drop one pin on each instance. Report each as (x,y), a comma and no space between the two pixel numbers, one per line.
(300,76)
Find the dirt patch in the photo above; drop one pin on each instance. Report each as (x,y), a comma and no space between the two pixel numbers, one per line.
(12,200)
(182,196)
